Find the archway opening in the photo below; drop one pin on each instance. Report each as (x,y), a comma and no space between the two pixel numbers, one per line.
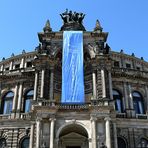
(73,136)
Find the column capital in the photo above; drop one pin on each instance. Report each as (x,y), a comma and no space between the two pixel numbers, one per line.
(93,118)
(39,119)
(51,67)
(52,118)
(107,119)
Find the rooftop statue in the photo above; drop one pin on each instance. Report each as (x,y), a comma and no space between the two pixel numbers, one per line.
(72,20)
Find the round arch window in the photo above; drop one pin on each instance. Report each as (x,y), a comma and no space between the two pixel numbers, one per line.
(28,101)
(143,143)
(118,101)
(121,143)
(138,103)
(25,143)
(3,143)
(7,102)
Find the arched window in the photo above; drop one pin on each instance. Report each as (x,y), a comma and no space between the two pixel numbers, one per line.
(138,103)
(7,102)
(121,143)
(28,101)
(25,142)
(118,101)
(3,143)
(143,143)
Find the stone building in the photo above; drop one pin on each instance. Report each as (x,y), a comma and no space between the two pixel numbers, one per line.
(115,111)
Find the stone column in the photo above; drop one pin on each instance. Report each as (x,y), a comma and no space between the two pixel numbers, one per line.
(115,135)
(25,64)
(93,130)
(52,122)
(103,84)
(2,67)
(11,65)
(22,63)
(15,98)
(94,85)
(42,84)
(131,105)
(125,95)
(51,83)
(31,136)
(146,94)
(38,124)
(20,97)
(107,127)
(35,86)
(110,86)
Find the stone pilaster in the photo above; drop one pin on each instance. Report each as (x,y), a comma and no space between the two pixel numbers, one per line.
(38,125)
(125,95)
(31,136)
(115,135)
(11,65)
(93,130)
(103,83)
(35,86)
(130,97)
(107,127)
(94,85)
(42,83)
(15,98)
(146,95)
(22,63)
(51,83)
(52,123)
(2,67)
(110,86)
(20,97)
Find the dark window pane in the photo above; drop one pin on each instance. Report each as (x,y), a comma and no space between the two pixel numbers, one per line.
(7,106)
(143,143)
(116,64)
(3,143)
(28,100)
(29,64)
(118,101)
(128,65)
(17,66)
(25,143)
(27,105)
(121,143)
(138,103)
(7,103)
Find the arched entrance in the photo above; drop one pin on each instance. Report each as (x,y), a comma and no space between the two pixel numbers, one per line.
(73,136)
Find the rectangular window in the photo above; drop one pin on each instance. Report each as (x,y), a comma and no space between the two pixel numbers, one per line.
(29,64)
(138,68)
(128,65)
(7,68)
(17,66)
(116,64)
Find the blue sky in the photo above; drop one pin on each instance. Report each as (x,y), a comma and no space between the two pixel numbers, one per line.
(125,20)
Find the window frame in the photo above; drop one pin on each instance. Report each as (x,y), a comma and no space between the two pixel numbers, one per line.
(22,140)
(118,101)
(138,103)
(9,100)
(28,98)
(5,142)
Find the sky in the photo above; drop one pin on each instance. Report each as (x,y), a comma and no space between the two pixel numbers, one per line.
(125,20)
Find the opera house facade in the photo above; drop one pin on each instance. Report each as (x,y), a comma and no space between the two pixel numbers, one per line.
(56,98)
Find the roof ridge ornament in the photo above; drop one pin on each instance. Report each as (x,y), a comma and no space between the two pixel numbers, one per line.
(98,27)
(47,27)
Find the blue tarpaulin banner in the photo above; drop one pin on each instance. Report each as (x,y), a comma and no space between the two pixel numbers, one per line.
(72,68)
